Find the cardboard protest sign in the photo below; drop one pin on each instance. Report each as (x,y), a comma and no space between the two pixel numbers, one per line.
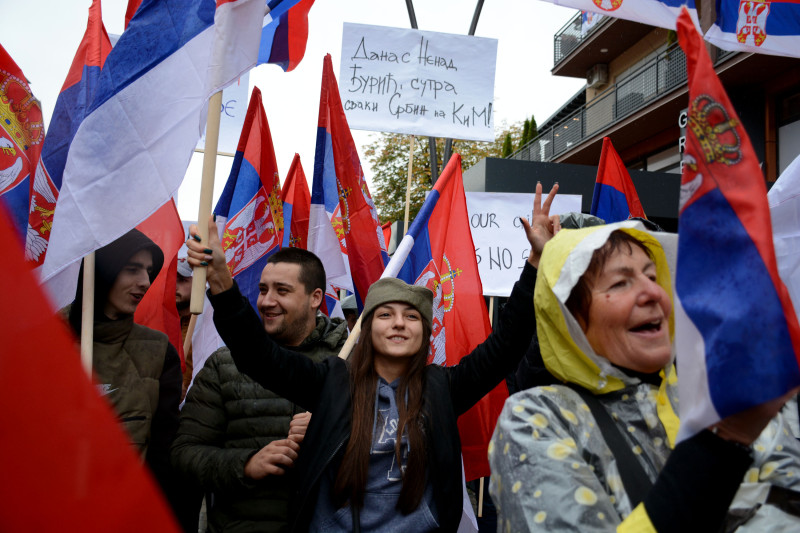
(418,82)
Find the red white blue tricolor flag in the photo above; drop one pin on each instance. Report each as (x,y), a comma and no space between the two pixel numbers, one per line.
(660,13)
(760,26)
(250,207)
(296,205)
(283,40)
(615,198)
(74,101)
(737,335)
(340,198)
(131,151)
(21,136)
(441,256)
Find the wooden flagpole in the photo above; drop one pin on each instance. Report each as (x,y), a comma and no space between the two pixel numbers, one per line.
(87,314)
(187,342)
(206,193)
(408,182)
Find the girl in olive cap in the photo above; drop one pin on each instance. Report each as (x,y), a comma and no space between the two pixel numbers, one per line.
(382,450)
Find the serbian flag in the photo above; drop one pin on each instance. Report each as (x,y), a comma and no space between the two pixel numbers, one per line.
(737,335)
(157,309)
(764,27)
(21,136)
(442,258)
(614,197)
(95,480)
(296,205)
(250,207)
(660,13)
(283,41)
(337,170)
(71,107)
(145,120)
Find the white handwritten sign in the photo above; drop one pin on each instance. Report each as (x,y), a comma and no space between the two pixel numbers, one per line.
(500,244)
(418,82)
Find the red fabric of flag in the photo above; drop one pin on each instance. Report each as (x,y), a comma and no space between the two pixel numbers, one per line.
(296,206)
(157,309)
(466,319)
(67,464)
(363,235)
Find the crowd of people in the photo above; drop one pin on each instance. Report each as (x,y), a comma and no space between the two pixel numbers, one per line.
(278,433)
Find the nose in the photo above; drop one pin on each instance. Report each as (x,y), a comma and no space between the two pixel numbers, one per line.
(398,321)
(651,292)
(144,280)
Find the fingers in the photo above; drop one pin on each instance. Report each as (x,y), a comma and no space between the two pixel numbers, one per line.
(549,200)
(555,220)
(537,199)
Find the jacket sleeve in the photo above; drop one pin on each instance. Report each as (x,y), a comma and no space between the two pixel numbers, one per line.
(282,371)
(542,475)
(198,451)
(489,363)
(165,424)
(696,487)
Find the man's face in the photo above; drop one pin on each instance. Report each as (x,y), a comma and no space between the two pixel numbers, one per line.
(183,292)
(130,286)
(288,312)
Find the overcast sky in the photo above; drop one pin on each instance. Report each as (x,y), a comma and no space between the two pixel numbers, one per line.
(43,35)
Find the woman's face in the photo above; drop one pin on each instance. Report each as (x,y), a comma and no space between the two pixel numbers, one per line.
(396,330)
(629,313)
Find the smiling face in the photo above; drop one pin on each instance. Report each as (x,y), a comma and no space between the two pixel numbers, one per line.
(396,331)
(628,319)
(288,312)
(129,286)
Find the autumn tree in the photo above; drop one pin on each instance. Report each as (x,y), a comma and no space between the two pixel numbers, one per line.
(388,159)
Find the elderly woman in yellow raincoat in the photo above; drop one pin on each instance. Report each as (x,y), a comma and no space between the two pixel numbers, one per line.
(597,453)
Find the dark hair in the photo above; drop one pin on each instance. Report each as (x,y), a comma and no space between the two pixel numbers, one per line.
(580,298)
(351,479)
(109,262)
(312,273)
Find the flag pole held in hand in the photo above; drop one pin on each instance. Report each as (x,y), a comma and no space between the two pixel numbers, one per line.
(206,192)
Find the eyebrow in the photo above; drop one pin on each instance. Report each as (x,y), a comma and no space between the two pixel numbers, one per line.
(630,270)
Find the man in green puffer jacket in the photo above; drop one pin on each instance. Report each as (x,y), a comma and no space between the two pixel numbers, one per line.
(238,439)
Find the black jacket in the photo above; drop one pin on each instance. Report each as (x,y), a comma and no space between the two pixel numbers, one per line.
(324,389)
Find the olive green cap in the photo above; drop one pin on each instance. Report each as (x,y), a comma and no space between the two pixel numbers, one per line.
(388,290)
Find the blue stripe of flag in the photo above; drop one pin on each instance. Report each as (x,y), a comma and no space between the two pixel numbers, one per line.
(151,37)
(715,286)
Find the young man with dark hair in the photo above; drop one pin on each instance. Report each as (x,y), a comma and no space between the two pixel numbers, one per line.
(237,438)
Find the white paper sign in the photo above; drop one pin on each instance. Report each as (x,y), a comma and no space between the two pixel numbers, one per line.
(501,247)
(232,113)
(418,82)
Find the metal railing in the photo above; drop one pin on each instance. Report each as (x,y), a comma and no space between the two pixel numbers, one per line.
(638,90)
(570,36)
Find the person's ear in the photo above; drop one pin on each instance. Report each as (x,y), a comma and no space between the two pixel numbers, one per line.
(316,297)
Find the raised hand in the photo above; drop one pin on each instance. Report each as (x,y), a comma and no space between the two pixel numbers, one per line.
(542,226)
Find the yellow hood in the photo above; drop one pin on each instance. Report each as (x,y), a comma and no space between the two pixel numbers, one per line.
(564,347)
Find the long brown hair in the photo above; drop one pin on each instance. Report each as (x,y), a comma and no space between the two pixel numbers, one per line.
(351,480)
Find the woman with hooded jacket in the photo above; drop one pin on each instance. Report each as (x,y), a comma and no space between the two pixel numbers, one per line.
(597,453)
(382,451)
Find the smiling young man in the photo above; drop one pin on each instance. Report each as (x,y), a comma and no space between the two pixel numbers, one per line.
(236,438)
(135,368)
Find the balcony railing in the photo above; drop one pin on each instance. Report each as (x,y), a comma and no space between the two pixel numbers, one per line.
(638,90)
(571,36)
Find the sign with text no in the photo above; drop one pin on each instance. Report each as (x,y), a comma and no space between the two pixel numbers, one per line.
(501,247)
(418,82)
